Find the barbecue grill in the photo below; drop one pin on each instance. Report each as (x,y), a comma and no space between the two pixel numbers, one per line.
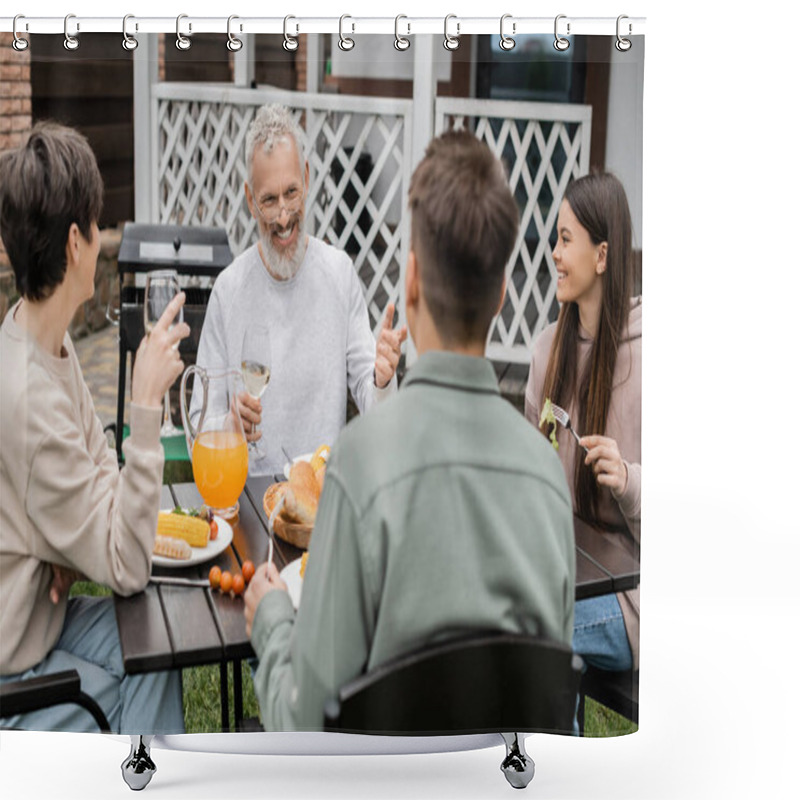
(198,254)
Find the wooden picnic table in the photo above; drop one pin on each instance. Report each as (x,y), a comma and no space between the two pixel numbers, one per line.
(169,627)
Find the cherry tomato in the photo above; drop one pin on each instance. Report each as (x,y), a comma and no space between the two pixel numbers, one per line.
(214,575)
(214,529)
(238,584)
(225,581)
(248,570)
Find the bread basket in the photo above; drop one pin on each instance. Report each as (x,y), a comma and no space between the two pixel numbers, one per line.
(295,533)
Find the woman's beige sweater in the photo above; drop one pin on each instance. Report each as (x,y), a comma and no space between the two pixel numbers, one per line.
(63,499)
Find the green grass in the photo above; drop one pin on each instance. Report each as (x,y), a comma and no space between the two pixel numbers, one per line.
(600,721)
(201,701)
(203,711)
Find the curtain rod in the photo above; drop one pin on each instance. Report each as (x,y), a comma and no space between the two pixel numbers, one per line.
(452,25)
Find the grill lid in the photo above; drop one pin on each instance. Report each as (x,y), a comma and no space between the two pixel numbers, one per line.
(195,250)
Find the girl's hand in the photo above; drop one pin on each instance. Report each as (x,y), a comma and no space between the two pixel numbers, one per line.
(606,463)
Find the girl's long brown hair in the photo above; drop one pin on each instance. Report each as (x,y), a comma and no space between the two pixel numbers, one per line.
(599,203)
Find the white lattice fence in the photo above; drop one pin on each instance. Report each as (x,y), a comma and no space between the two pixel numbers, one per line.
(359,171)
(544,145)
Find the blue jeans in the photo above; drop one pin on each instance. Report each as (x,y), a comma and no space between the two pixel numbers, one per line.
(599,635)
(89,643)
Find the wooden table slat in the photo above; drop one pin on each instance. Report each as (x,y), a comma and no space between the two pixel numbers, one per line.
(602,548)
(229,612)
(144,639)
(194,635)
(590,579)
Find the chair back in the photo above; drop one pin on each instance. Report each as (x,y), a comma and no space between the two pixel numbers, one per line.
(477,684)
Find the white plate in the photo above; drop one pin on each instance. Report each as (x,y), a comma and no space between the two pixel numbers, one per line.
(288,467)
(291,577)
(200,554)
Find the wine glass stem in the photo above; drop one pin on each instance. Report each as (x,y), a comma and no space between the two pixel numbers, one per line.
(167,414)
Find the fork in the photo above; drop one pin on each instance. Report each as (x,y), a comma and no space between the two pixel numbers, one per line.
(271,525)
(563,418)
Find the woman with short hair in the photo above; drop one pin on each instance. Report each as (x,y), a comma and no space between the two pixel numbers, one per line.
(67,509)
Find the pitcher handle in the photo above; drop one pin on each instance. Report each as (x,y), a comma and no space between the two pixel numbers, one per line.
(190,430)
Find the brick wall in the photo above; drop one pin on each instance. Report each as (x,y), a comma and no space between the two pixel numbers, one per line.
(15,122)
(15,93)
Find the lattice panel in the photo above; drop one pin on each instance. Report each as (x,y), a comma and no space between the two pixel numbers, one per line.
(541,157)
(354,189)
(352,193)
(201,169)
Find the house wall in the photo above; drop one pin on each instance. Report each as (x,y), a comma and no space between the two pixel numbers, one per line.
(625,124)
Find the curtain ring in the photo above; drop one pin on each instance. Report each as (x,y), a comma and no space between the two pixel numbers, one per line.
(561,44)
(506,42)
(400,42)
(451,42)
(289,42)
(182,42)
(71,43)
(19,44)
(345,42)
(233,44)
(129,42)
(623,45)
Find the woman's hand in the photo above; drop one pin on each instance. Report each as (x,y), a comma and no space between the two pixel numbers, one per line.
(63,578)
(606,463)
(158,363)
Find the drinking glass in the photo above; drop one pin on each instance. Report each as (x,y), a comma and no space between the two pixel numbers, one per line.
(161,286)
(256,366)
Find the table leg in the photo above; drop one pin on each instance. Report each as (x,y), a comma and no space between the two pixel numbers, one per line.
(238,703)
(223,695)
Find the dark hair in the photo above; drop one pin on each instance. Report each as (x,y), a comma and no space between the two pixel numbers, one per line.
(48,183)
(599,203)
(464,223)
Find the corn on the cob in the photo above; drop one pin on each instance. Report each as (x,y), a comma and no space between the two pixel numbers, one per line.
(172,548)
(193,530)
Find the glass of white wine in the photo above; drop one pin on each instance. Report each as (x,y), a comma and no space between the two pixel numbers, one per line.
(161,286)
(256,366)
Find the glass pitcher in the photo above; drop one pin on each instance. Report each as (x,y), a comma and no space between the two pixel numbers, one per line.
(216,442)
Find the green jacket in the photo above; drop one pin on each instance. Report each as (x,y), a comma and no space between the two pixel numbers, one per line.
(443,511)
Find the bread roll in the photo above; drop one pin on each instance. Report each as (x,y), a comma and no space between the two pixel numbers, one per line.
(301,477)
(301,503)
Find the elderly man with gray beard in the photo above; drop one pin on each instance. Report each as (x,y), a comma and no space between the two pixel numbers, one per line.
(308,296)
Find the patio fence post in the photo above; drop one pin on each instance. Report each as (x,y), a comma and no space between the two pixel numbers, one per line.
(424,95)
(244,61)
(314,47)
(145,76)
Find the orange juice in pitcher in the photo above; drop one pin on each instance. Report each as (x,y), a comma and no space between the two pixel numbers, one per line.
(219,464)
(216,444)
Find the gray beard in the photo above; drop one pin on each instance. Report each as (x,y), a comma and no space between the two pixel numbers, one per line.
(281,266)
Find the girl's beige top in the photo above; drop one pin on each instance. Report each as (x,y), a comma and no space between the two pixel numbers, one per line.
(624,425)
